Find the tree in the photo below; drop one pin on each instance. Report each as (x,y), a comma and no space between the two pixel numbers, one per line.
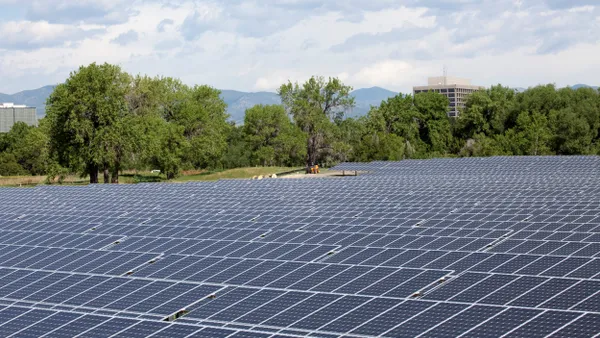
(29,147)
(9,165)
(314,107)
(533,134)
(238,152)
(151,102)
(572,132)
(542,99)
(349,135)
(164,145)
(145,98)
(272,138)
(398,116)
(435,128)
(474,118)
(202,114)
(382,146)
(85,115)
(31,151)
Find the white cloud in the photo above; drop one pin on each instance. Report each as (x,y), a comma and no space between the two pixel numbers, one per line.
(276,79)
(588,9)
(88,11)
(389,73)
(24,35)
(258,45)
(126,38)
(204,17)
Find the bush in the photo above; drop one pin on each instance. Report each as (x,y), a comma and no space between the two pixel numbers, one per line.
(56,173)
(10,167)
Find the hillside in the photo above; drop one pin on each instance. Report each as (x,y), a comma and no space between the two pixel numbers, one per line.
(34,98)
(577,86)
(237,101)
(367,97)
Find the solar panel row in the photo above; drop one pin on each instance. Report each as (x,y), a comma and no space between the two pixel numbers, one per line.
(505,246)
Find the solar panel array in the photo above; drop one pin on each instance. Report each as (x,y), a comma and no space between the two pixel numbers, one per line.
(503,246)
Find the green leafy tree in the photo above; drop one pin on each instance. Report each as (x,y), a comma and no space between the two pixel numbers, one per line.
(399,116)
(481,146)
(84,116)
(29,146)
(238,152)
(202,114)
(164,146)
(349,135)
(487,112)
(533,134)
(31,151)
(314,106)
(151,102)
(542,99)
(9,165)
(272,137)
(17,132)
(572,132)
(435,128)
(382,146)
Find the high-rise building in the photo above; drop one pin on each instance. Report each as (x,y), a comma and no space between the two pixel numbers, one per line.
(455,89)
(11,113)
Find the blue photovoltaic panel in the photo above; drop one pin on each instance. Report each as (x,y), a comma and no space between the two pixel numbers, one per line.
(472,247)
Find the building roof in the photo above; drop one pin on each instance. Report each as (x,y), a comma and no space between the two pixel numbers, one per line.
(12,105)
(448,86)
(440,82)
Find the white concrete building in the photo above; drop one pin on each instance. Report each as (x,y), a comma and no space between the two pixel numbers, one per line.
(454,88)
(11,113)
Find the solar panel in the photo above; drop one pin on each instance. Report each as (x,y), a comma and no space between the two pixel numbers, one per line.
(472,247)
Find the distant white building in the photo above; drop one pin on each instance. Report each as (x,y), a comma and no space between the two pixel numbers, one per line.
(454,88)
(11,113)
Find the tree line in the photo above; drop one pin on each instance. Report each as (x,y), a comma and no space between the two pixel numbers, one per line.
(102,121)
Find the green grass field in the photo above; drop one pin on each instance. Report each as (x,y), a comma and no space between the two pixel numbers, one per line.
(131,177)
(237,173)
(32,181)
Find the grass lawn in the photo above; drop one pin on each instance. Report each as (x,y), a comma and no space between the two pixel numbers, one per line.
(130,177)
(234,173)
(31,181)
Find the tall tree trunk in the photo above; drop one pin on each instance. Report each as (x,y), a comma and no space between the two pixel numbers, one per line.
(114,178)
(311,152)
(93,174)
(106,174)
(308,154)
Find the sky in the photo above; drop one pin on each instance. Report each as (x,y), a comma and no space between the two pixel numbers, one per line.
(259,45)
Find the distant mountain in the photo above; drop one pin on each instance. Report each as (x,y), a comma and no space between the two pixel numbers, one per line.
(33,98)
(367,97)
(577,86)
(5,97)
(238,102)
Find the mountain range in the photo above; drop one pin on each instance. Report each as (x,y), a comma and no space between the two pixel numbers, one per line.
(577,86)
(237,101)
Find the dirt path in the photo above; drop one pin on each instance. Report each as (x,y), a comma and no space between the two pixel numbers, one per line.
(328,173)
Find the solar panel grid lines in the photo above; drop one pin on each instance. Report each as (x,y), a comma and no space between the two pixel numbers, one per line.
(441,248)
